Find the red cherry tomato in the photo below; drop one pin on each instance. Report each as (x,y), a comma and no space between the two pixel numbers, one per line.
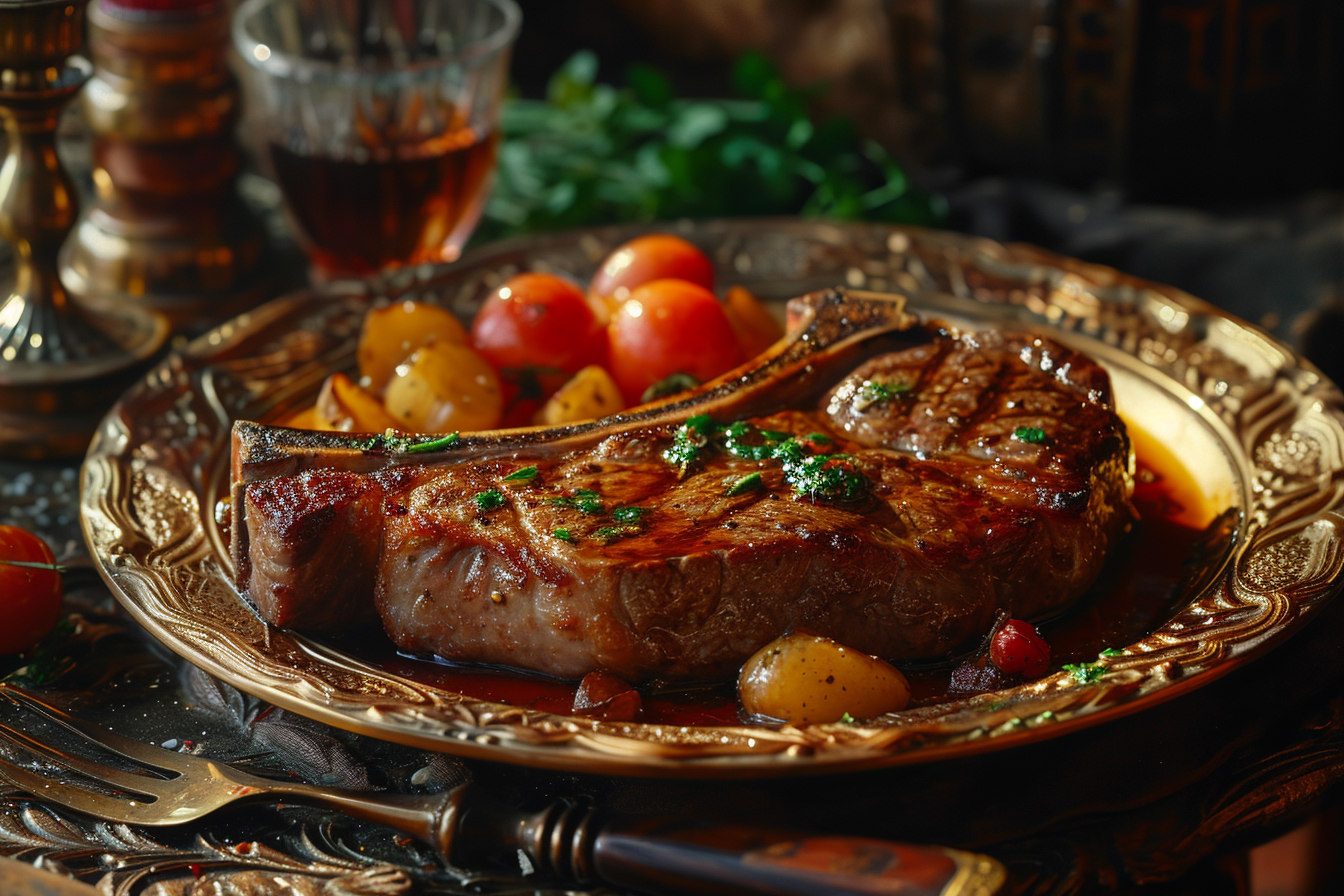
(656,256)
(537,330)
(667,327)
(30,597)
(1017,648)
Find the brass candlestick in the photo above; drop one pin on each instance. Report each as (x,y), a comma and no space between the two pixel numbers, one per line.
(167,228)
(61,365)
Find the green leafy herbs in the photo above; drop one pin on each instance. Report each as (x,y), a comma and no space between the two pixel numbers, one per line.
(1031,434)
(1086,673)
(749,483)
(584,500)
(608,534)
(490,499)
(847,719)
(814,475)
(829,477)
(49,658)
(392,443)
(689,440)
(626,520)
(1111,651)
(525,474)
(591,153)
(872,392)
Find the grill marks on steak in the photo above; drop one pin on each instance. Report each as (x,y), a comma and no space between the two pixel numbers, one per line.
(964,520)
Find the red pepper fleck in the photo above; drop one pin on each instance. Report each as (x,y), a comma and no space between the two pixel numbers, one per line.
(1017,648)
(196,871)
(243,849)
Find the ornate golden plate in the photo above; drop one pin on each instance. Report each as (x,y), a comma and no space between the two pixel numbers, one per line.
(1260,431)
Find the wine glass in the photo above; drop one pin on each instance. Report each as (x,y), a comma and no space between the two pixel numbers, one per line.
(379,119)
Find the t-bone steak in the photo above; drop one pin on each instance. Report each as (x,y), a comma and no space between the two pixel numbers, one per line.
(890,484)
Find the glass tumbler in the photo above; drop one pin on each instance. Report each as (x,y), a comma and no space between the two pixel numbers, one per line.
(380,121)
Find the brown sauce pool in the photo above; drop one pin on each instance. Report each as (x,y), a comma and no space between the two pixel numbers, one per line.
(1139,589)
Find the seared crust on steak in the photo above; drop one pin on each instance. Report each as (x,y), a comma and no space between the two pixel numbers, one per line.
(997,471)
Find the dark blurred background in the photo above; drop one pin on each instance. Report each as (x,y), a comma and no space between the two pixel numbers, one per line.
(1194,142)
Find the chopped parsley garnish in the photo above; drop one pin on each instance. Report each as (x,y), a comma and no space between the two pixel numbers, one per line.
(690,438)
(628,514)
(749,483)
(563,534)
(1086,673)
(447,441)
(1032,434)
(584,500)
(391,442)
(831,477)
(526,474)
(814,475)
(874,391)
(847,719)
(608,534)
(490,499)
(1111,651)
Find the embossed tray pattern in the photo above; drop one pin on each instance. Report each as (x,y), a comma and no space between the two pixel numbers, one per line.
(159,465)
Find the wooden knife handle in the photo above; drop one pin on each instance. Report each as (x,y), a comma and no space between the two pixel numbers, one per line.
(687,857)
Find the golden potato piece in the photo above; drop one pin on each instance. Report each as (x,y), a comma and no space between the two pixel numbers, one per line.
(444,387)
(807,679)
(343,406)
(391,334)
(755,326)
(304,419)
(589,394)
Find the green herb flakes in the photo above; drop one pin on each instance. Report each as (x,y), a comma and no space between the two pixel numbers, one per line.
(490,499)
(847,719)
(1031,434)
(874,391)
(447,441)
(1111,651)
(1086,673)
(608,534)
(526,474)
(628,514)
(563,534)
(749,483)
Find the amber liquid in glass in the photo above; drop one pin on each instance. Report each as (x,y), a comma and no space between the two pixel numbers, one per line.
(399,207)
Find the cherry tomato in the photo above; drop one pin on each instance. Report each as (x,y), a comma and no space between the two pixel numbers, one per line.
(667,327)
(655,256)
(1017,648)
(30,597)
(537,331)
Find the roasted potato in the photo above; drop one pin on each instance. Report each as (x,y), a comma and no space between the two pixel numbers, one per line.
(392,333)
(589,394)
(805,678)
(444,387)
(344,406)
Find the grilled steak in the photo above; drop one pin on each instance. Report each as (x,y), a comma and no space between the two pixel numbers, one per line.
(890,485)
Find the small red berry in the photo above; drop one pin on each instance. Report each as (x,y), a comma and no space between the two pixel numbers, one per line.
(1018,649)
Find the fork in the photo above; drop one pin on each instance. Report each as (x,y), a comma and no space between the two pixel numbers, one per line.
(563,841)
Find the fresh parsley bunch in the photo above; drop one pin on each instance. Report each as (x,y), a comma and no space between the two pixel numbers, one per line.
(595,154)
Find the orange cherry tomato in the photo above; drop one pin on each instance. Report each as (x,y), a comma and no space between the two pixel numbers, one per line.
(655,256)
(30,596)
(667,327)
(537,331)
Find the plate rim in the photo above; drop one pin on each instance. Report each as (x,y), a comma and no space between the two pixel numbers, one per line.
(1001,730)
